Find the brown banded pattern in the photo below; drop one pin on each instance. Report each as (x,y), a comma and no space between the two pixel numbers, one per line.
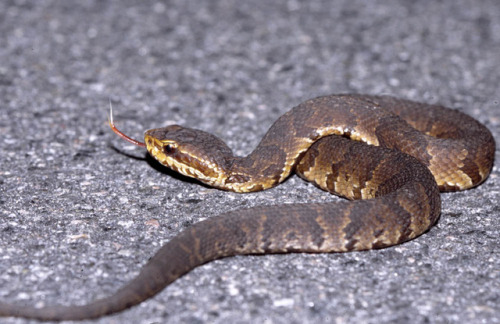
(398,156)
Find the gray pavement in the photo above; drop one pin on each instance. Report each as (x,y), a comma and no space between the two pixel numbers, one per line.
(81,210)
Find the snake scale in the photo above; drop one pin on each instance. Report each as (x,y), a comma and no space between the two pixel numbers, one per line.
(415,150)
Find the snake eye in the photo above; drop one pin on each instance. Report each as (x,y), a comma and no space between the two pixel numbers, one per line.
(169,148)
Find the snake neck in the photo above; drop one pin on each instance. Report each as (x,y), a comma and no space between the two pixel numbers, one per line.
(268,165)
(279,151)
(247,174)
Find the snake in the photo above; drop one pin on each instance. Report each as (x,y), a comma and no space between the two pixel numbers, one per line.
(389,157)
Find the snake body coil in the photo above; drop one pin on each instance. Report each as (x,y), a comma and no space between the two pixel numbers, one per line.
(421,149)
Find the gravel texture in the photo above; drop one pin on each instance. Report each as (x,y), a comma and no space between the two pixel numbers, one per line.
(82,210)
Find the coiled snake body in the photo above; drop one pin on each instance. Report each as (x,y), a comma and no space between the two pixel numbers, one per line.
(396,194)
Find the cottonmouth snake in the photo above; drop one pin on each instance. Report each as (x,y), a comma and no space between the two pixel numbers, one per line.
(444,150)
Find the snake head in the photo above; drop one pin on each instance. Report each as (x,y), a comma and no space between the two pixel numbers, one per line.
(191,152)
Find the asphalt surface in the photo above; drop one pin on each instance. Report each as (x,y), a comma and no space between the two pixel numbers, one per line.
(82,210)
